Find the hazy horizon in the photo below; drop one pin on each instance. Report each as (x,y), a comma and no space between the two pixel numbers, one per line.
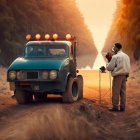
(98,16)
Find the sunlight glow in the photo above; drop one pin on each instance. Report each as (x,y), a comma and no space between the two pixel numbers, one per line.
(98,15)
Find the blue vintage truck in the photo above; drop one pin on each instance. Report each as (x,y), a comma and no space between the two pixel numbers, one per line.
(48,66)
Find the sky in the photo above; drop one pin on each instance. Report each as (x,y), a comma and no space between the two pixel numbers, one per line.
(98,15)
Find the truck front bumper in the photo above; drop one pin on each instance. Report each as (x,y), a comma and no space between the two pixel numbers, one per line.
(51,87)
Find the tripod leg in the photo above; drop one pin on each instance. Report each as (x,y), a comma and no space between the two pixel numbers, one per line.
(110,85)
(99,86)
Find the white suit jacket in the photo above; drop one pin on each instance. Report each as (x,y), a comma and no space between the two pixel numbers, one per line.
(119,64)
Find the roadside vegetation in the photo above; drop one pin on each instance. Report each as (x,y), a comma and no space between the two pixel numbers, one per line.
(126,28)
(18,18)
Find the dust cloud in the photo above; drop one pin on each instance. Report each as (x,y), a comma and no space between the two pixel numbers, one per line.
(52,122)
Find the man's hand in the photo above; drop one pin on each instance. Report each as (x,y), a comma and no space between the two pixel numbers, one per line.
(127,76)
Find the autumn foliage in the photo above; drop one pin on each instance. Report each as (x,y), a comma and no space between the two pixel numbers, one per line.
(18,18)
(126,28)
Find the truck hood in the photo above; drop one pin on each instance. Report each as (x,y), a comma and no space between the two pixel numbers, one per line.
(33,63)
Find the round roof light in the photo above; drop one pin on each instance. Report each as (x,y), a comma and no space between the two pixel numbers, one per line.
(28,37)
(47,36)
(38,36)
(68,36)
(55,36)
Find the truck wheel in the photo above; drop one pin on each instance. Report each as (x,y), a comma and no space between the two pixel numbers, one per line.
(23,97)
(30,98)
(40,97)
(80,84)
(72,90)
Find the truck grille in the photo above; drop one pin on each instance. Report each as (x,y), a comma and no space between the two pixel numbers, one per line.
(32,75)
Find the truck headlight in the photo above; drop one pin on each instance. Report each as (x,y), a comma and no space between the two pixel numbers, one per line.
(45,75)
(53,74)
(12,75)
(20,75)
(66,62)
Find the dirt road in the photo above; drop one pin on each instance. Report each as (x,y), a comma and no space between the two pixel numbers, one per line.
(83,120)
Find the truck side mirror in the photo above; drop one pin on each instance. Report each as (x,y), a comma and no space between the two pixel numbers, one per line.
(23,54)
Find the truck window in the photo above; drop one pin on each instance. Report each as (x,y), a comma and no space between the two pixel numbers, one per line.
(46,51)
(57,52)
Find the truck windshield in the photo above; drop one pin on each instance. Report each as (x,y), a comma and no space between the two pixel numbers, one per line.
(46,51)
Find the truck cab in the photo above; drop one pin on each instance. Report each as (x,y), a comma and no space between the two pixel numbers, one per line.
(48,66)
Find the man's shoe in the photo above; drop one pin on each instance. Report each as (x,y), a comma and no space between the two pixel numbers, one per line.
(122,109)
(113,109)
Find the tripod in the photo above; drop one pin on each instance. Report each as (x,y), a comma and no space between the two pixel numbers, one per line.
(110,84)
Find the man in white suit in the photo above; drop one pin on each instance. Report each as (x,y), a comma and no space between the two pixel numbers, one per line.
(119,67)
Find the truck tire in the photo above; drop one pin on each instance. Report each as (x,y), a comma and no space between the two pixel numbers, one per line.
(30,98)
(40,97)
(80,84)
(23,97)
(72,90)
